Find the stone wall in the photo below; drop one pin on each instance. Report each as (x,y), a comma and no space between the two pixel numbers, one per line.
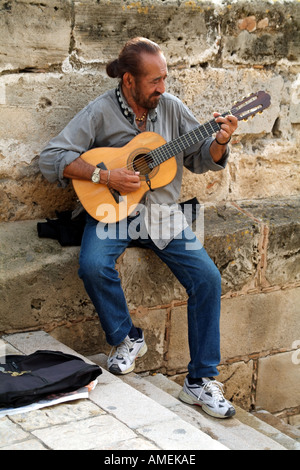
(52,62)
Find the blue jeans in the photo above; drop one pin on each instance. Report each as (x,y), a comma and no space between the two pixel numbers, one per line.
(193,268)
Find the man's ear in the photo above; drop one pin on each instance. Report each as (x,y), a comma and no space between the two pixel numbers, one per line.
(128,80)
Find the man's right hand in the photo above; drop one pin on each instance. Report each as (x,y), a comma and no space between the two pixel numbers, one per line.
(124,181)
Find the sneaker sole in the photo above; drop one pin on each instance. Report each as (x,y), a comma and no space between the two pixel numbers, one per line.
(192,401)
(141,353)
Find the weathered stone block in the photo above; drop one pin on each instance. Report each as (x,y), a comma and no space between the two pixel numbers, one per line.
(231,240)
(278,385)
(268,170)
(83,334)
(40,30)
(283,239)
(38,279)
(237,378)
(181,26)
(28,195)
(41,104)
(260,35)
(259,322)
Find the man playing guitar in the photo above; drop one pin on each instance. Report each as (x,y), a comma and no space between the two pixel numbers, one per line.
(140,105)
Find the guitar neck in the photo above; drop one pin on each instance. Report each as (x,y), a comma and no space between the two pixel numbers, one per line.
(170,149)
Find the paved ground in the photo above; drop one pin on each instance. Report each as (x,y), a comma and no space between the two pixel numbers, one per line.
(125,415)
(136,423)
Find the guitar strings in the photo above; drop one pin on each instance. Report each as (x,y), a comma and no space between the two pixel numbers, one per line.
(149,158)
(169,149)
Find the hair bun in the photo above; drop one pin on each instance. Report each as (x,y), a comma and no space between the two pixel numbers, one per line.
(112,68)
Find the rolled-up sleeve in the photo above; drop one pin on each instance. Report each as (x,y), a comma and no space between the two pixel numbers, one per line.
(76,138)
(200,160)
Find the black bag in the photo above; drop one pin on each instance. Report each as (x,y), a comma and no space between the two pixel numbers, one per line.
(66,229)
(27,379)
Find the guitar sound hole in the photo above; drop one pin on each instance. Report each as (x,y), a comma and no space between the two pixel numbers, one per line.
(142,163)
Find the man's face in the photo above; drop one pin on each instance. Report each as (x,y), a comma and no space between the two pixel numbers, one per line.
(149,86)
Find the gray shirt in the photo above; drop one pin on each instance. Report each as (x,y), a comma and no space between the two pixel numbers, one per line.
(109,122)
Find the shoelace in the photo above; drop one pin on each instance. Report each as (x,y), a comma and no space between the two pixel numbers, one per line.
(122,349)
(215,388)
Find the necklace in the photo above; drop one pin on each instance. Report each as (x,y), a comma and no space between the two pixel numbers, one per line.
(128,113)
(142,118)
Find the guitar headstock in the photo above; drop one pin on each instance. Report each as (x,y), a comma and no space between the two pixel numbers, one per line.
(251,105)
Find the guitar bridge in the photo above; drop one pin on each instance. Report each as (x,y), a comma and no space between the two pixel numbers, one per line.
(115,194)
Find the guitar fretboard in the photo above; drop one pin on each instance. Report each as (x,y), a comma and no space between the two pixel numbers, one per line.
(170,149)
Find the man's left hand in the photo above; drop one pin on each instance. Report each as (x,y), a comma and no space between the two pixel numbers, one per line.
(228,126)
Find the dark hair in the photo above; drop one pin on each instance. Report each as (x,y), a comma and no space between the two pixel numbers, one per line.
(129,59)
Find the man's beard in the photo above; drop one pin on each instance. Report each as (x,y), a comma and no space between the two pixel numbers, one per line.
(149,103)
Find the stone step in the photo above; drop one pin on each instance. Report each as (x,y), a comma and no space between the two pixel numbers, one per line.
(278,423)
(245,426)
(244,432)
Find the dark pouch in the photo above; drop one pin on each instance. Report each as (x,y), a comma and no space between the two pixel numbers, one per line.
(27,379)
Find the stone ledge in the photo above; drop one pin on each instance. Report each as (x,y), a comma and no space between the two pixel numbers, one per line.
(40,286)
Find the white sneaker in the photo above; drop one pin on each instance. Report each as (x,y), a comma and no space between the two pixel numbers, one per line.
(209,395)
(123,360)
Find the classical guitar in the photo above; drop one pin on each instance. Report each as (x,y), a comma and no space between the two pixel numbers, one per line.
(154,158)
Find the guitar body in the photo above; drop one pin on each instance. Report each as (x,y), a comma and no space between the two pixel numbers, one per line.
(105,204)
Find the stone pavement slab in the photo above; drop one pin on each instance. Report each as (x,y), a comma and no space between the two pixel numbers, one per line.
(60,414)
(100,432)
